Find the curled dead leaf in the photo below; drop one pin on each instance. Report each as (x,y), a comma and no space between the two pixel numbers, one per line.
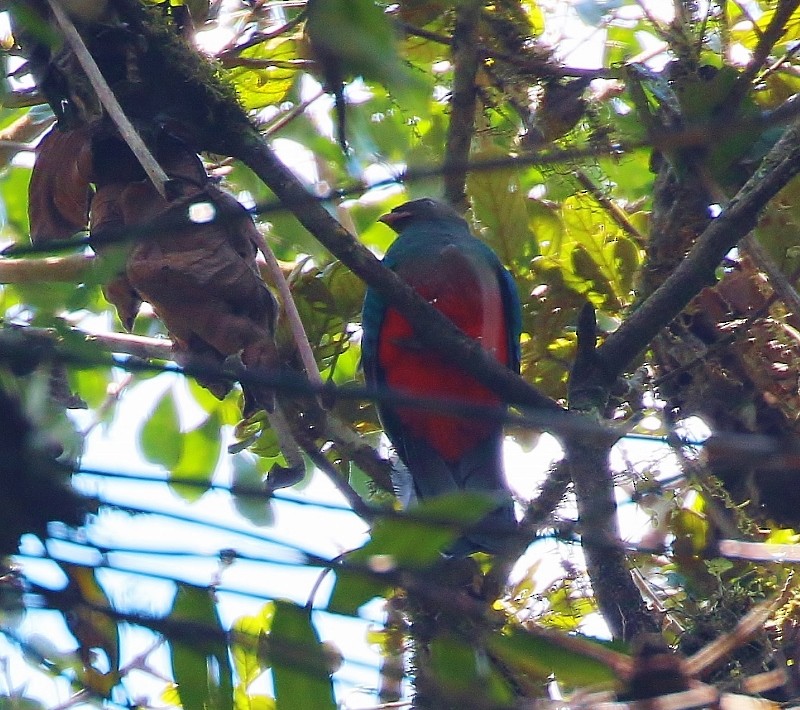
(192,257)
(60,189)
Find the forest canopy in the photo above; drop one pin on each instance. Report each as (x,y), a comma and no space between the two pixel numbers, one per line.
(193,199)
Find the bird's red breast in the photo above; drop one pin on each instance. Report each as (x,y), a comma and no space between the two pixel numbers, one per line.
(468,294)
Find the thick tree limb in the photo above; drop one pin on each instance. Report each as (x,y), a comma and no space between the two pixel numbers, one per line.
(780,165)
(587,458)
(462,103)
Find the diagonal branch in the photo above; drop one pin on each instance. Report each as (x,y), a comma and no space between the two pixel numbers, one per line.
(150,165)
(769,37)
(433,328)
(696,271)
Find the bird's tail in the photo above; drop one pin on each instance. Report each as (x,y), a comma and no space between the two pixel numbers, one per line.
(479,471)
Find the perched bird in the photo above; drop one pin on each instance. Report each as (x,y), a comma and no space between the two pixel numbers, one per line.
(463,278)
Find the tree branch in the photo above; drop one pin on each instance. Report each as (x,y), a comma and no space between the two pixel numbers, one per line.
(432,327)
(616,593)
(14,138)
(588,460)
(770,36)
(149,164)
(780,165)
(462,103)
(64,269)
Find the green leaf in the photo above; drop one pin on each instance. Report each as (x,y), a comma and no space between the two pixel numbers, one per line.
(200,450)
(345,288)
(500,207)
(14,192)
(589,233)
(589,272)
(627,258)
(545,224)
(299,666)
(266,85)
(778,227)
(200,663)
(357,36)
(463,669)
(416,540)
(353,589)
(246,633)
(160,438)
(50,297)
(243,701)
(406,542)
(247,473)
(540,658)
(535,17)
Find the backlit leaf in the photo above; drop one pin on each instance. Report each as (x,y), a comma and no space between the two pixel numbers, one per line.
(299,666)
(199,656)
(160,438)
(200,452)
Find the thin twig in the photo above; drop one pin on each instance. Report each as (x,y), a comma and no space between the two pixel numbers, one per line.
(613,209)
(262,37)
(770,36)
(106,96)
(292,314)
(286,442)
(283,120)
(359,507)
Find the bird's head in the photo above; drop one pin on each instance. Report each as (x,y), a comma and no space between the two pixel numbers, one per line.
(425,208)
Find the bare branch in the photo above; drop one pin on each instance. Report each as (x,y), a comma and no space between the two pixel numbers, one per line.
(66,269)
(462,103)
(697,269)
(770,36)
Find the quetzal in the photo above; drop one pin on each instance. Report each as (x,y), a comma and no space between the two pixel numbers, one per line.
(463,278)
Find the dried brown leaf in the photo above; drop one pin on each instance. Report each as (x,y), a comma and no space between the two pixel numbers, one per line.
(200,276)
(59,190)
